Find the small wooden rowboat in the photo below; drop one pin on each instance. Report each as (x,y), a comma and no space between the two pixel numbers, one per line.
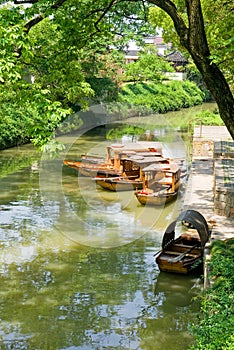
(184,254)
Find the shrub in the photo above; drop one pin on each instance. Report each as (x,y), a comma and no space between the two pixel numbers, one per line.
(161,98)
(209,118)
(214,329)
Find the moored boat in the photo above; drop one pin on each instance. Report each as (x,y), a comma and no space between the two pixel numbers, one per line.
(92,169)
(161,184)
(118,183)
(112,165)
(184,254)
(132,175)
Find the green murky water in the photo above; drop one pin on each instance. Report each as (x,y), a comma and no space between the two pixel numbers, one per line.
(77,267)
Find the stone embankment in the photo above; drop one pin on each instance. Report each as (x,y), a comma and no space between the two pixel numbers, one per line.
(210,187)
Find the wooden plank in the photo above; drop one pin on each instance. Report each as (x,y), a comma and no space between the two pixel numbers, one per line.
(181,245)
(180,257)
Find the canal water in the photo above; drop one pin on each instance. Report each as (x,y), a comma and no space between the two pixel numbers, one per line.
(77,263)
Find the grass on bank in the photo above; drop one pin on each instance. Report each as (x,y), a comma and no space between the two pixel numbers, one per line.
(141,99)
(214,329)
(176,97)
(161,98)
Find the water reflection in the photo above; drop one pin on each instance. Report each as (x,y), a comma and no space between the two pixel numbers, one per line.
(168,317)
(75,299)
(89,215)
(57,293)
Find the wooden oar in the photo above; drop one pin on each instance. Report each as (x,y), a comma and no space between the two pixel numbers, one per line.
(158,252)
(178,258)
(164,248)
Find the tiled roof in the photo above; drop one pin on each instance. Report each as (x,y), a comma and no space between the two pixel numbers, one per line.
(176,57)
(132,53)
(158,40)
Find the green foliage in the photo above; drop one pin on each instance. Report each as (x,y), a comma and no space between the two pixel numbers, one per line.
(162,98)
(27,113)
(149,66)
(220,33)
(160,19)
(58,70)
(67,59)
(193,74)
(69,46)
(209,118)
(218,26)
(13,41)
(214,329)
(130,130)
(106,90)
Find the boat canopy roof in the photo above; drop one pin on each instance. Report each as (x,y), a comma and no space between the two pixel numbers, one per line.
(192,217)
(144,160)
(140,146)
(170,167)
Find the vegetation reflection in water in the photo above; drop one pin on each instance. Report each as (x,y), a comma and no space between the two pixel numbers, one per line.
(59,294)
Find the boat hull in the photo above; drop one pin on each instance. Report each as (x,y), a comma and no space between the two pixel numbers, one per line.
(185,267)
(183,256)
(118,185)
(154,199)
(91,169)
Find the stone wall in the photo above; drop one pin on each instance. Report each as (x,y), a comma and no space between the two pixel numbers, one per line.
(223,154)
(224,201)
(224,187)
(203,148)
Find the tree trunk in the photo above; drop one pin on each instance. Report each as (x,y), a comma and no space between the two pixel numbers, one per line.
(213,77)
(220,90)
(193,38)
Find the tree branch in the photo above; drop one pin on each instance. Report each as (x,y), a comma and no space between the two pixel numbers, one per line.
(40,17)
(108,7)
(180,26)
(32,23)
(21,2)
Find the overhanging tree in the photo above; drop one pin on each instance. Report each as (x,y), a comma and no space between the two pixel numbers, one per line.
(191,29)
(79,26)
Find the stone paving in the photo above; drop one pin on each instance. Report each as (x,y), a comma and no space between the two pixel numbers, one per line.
(199,194)
(201,187)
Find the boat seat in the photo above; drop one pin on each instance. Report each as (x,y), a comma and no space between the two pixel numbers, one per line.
(191,234)
(183,245)
(171,252)
(189,255)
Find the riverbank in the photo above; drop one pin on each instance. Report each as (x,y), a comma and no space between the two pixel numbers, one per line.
(205,180)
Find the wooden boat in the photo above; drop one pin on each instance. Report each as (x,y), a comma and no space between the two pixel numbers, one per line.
(161,183)
(132,175)
(112,165)
(118,183)
(92,169)
(184,254)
